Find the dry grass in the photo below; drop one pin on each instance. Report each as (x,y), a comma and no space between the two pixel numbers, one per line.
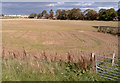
(58,36)
(39,45)
(71,56)
(35,60)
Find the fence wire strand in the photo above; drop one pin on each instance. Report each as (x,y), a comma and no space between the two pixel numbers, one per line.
(111,71)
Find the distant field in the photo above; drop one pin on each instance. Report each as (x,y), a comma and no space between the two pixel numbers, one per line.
(58,36)
(53,50)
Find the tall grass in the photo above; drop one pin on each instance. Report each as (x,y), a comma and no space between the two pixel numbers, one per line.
(21,66)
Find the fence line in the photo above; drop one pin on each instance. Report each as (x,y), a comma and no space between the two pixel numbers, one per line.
(105,68)
(107,57)
(108,63)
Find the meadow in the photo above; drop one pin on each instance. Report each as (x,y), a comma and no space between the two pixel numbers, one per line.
(57,45)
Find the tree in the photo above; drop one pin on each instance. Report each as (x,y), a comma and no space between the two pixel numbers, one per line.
(44,12)
(33,15)
(62,15)
(107,14)
(90,14)
(51,14)
(67,13)
(1,14)
(58,13)
(111,14)
(75,14)
(118,13)
(39,15)
(103,14)
(47,16)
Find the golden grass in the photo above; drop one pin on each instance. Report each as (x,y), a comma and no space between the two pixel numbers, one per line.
(40,45)
(58,36)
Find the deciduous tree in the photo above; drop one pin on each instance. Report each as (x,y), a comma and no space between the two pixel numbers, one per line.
(33,15)
(90,14)
(51,14)
(44,12)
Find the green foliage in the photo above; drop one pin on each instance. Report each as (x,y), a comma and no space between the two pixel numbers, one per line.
(75,14)
(58,13)
(90,14)
(63,71)
(102,14)
(107,14)
(61,14)
(51,14)
(33,15)
(1,14)
(47,16)
(39,15)
(111,14)
(44,12)
(118,12)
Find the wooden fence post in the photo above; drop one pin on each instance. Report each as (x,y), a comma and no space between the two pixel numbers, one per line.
(113,59)
(98,28)
(93,61)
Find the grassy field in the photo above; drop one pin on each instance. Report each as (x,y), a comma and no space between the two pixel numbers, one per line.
(55,38)
(58,36)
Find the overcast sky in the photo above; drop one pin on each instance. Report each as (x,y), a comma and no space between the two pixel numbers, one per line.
(60,0)
(38,7)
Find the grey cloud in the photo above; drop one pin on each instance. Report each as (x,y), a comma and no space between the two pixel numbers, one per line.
(60,0)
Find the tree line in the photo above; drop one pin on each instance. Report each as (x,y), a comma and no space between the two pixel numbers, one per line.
(77,14)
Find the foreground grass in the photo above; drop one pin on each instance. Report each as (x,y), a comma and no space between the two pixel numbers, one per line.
(34,76)
(46,71)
